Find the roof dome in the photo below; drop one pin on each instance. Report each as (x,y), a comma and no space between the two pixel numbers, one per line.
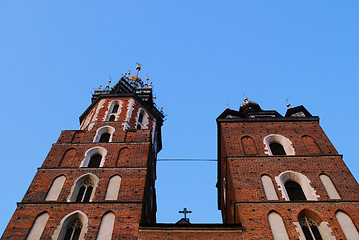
(249,106)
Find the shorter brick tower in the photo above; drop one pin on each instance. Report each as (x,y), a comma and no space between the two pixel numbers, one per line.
(281,178)
(97,182)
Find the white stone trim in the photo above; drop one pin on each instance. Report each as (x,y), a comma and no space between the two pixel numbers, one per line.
(92,151)
(99,107)
(102,130)
(130,105)
(144,124)
(285,142)
(77,184)
(60,231)
(302,180)
(109,113)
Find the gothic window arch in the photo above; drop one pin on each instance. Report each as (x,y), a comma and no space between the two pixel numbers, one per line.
(104,134)
(94,157)
(347,225)
(83,189)
(72,227)
(114,111)
(311,145)
(106,227)
(329,187)
(38,226)
(290,181)
(249,146)
(275,144)
(113,188)
(277,226)
(311,227)
(142,119)
(268,187)
(55,189)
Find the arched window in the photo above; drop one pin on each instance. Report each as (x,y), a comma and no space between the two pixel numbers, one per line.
(277,149)
(73,230)
(294,191)
(84,188)
(114,111)
(329,187)
(293,184)
(113,188)
(85,191)
(38,226)
(277,226)
(310,229)
(276,144)
(55,188)
(72,227)
(106,227)
(112,118)
(94,157)
(95,161)
(269,188)
(105,137)
(347,225)
(115,108)
(104,134)
(141,119)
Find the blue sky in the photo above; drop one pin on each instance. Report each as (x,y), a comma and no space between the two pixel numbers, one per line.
(200,55)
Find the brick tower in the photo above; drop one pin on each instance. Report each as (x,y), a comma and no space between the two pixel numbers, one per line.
(97,182)
(281,178)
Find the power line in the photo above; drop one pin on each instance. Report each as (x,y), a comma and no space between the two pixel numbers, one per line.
(186,159)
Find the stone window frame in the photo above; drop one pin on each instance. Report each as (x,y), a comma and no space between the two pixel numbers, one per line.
(78,183)
(109,112)
(276,138)
(301,179)
(102,130)
(60,231)
(91,152)
(144,123)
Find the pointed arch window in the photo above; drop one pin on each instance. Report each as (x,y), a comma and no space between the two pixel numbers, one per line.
(277,149)
(294,191)
(85,191)
(310,229)
(73,230)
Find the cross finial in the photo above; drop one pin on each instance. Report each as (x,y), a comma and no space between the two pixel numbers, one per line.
(185,211)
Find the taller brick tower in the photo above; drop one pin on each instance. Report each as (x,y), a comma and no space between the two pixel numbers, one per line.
(97,182)
(281,178)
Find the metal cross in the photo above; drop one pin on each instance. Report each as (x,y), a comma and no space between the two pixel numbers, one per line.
(185,212)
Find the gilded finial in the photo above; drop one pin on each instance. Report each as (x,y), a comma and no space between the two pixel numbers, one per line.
(288,105)
(245,99)
(128,73)
(109,81)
